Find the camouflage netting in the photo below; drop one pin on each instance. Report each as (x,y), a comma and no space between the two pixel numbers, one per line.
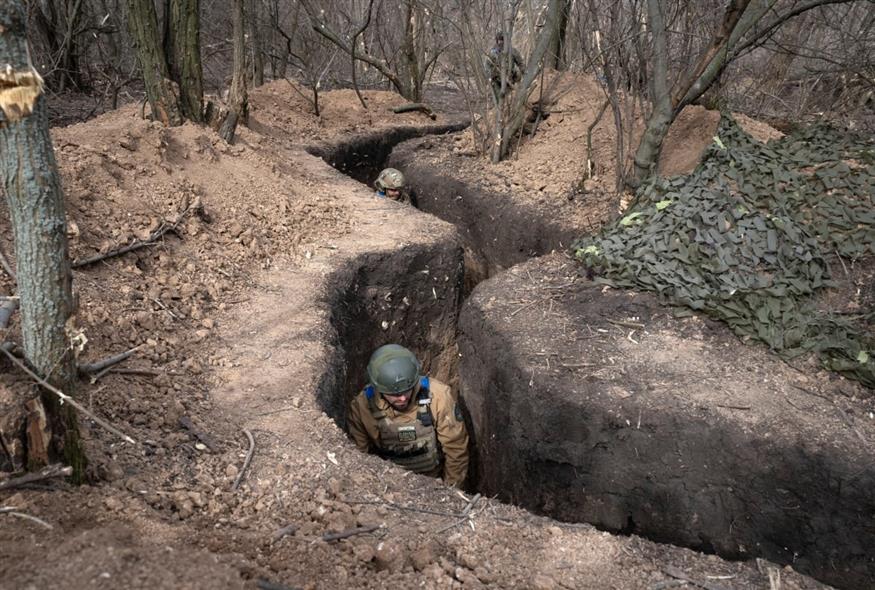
(745,238)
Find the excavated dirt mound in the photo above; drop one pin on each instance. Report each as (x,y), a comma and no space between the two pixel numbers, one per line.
(596,404)
(257,315)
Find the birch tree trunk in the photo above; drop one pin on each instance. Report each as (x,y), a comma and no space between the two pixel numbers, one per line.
(36,205)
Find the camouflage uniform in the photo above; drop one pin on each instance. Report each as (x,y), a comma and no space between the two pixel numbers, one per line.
(495,62)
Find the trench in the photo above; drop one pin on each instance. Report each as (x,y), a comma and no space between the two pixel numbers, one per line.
(416,296)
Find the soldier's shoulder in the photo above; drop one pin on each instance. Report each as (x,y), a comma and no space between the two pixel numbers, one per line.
(440,390)
(360,399)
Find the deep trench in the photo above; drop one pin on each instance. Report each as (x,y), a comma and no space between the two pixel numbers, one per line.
(511,236)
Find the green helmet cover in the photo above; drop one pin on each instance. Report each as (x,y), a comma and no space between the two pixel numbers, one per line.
(390,178)
(393,369)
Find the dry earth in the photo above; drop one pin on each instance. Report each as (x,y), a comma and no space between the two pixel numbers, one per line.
(231,316)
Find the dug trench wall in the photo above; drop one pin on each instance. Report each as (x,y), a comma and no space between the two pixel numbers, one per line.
(592,404)
(497,231)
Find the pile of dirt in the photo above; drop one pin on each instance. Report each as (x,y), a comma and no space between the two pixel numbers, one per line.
(546,169)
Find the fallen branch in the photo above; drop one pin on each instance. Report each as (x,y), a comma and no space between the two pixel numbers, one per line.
(246,461)
(205,438)
(625,324)
(13,512)
(415,106)
(676,573)
(286,530)
(265,585)
(401,507)
(328,537)
(150,241)
(66,398)
(109,361)
(48,472)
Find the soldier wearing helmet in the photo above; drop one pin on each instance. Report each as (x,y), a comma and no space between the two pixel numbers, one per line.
(409,418)
(496,62)
(390,183)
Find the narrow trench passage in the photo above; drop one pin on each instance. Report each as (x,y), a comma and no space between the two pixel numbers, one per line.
(378,286)
(396,288)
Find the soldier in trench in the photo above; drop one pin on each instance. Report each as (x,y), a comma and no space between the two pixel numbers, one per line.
(391,184)
(496,61)
(409,418)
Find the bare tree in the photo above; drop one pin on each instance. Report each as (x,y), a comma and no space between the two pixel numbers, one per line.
(743,24)
(238,99)
(161,91)
(414,54)
(36,205)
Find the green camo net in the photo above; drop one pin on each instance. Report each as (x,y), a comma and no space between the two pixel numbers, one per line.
(745,238)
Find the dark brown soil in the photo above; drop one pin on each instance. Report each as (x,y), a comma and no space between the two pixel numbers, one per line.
(595,404)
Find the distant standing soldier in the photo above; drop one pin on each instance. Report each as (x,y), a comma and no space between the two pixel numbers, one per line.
(391,184)
(495,62)
(409,418)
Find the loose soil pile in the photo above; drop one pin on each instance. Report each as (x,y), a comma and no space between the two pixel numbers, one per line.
(240,318)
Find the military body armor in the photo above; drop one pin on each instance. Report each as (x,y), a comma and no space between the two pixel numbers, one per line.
(413,445)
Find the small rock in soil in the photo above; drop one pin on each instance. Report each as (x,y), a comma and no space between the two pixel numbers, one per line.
(390,556)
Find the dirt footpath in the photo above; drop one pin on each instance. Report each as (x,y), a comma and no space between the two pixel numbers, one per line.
(257,316)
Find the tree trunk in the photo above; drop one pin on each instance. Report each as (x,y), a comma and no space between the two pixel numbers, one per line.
(185,57)
(556,53)
(410,70)
(162,92)
(238,101)
(257,51)
(36,206)
(662,116)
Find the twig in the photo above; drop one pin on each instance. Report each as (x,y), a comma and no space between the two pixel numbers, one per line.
(676,573)
(246,461)
(107,362)
(465,515)
(13,512)
(286,530)
(729,407)
(150,241)
(6,266)
(328,537)
(266,585)
(66,398)
(205,438)
(845,268)
(49,472)
(625,324)
(400,507)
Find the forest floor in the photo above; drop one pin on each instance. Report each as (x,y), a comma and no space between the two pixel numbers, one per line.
(228,314)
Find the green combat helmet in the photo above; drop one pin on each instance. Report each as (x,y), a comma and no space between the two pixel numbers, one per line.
(390,178)
(393,369)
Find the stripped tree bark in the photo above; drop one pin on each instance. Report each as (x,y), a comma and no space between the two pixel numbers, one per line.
(36,205)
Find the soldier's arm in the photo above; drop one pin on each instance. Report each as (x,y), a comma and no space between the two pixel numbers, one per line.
(518,60)
(453,436)
(356,427)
